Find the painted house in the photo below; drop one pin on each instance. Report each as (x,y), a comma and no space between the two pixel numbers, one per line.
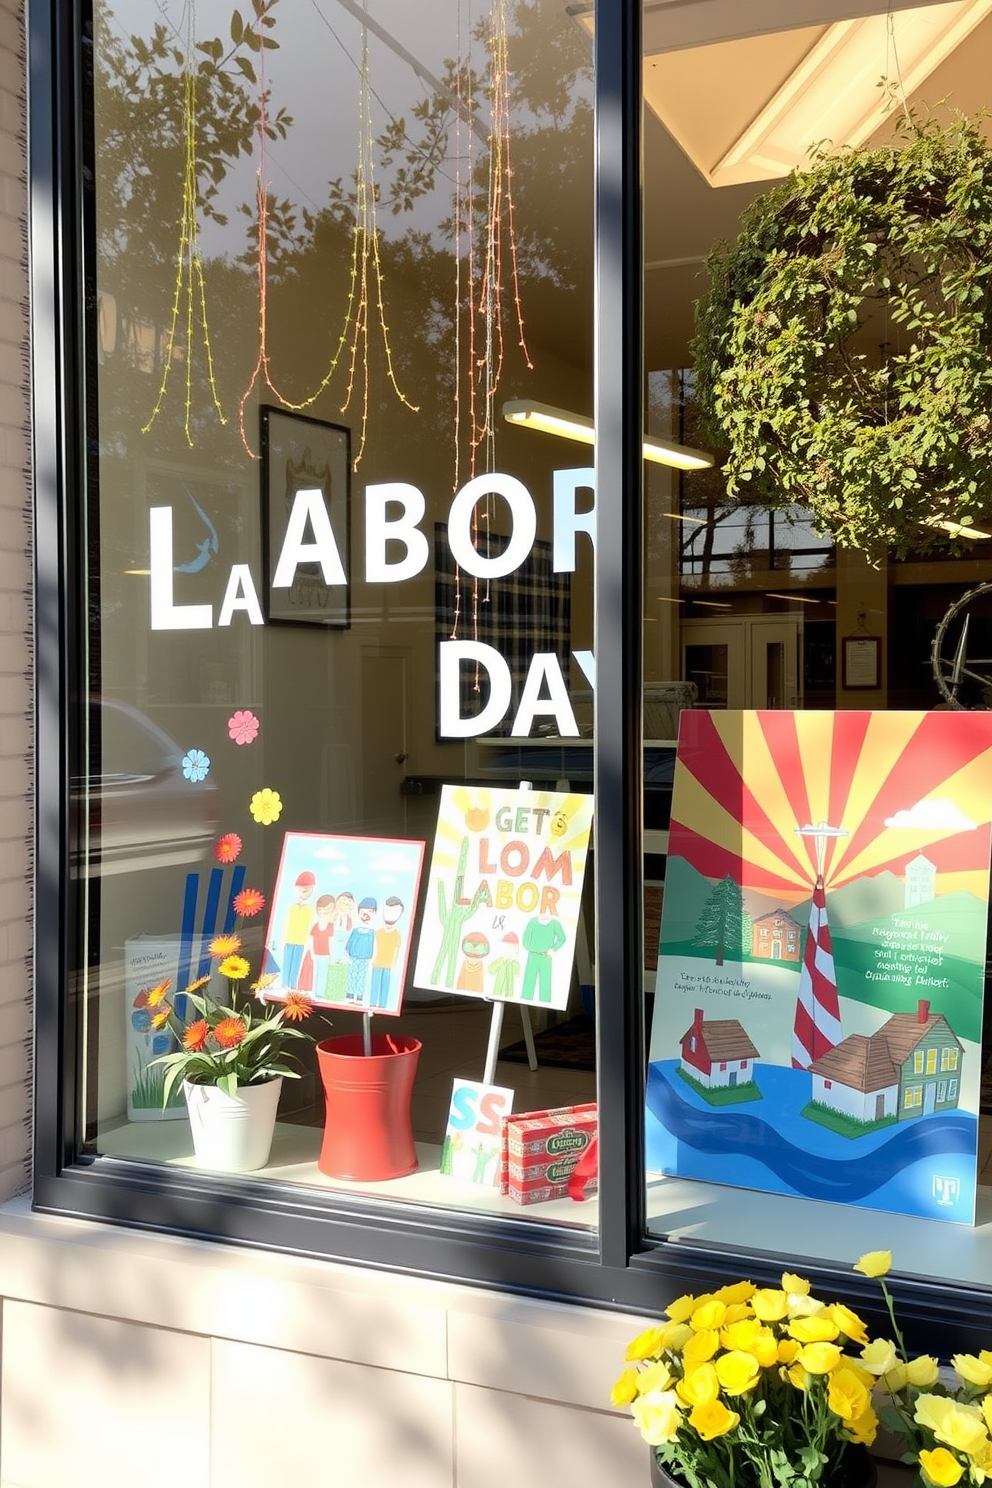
(910,1067)
(717,1052)
(776,936)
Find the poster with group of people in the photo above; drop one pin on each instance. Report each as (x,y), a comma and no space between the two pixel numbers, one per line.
(339,930)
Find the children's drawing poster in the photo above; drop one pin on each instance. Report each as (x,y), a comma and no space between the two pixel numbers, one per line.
(818,1016)
(471,1147)
(504,894)
(339,926)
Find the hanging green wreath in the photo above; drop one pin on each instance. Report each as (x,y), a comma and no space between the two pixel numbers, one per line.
(844,352)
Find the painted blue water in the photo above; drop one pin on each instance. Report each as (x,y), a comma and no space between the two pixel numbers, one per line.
(911,1168)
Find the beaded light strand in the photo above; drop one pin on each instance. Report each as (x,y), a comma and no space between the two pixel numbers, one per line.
(190,283)
(364,254)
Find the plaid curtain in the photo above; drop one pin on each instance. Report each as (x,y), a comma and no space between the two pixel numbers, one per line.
(527,611)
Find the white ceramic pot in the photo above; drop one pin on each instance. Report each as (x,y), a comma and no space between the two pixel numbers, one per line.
(232,1133)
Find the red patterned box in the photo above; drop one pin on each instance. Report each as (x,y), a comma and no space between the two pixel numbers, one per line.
(540,1149)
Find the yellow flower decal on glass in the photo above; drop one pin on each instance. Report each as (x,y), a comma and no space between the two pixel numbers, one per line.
(266,806)
(874,1263)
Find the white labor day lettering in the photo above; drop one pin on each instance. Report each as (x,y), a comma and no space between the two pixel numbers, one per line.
(393,513)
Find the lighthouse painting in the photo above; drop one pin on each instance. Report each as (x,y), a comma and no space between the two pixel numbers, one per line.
(818,1011)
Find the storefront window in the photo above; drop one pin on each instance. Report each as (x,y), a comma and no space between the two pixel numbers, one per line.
(332,587)
(805,923)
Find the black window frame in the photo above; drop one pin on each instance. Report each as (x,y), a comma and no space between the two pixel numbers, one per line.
(618,1265)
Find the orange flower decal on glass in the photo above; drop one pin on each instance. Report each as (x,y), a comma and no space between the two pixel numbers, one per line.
(225,945)
(228,847)
(248,903)
(196,1035)
(229,1032)
(266,806)
(297,1007)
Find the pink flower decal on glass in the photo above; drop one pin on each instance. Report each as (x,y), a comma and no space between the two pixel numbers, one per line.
(243,726)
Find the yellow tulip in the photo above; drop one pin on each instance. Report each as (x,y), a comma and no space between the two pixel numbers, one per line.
(646,1345)
(864,1429)
(765,1348)
(675,1336)
(741,1291)
(923,1372)
(802,1305)
(848,1322)
(710,1314)
(959,1426)
(787,1350)
(701,1346)
(817,1329)
(740,1335)
(987,1411)
(769,1305)
(797,1377)
(698,1386)
(846,1395)
(859,1371)
(682,1308)
(792,1283)
(713,1419)
(819,1358)
(874,1263)
(657,1416)
(879,1356)
(737,1312)
(940,1467)
(738,1371)
(975,1371)
(895,1379)
(655,1377)
(625,1388)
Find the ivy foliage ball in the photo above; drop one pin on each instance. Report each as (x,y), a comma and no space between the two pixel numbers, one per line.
(843,353)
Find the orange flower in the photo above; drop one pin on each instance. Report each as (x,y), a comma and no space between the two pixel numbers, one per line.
(195,986)
(157,994)
(234,967)
(297,1007)
(225,945)
(160,1018)
(195,1037)
(248,903)
(228,847)
(229,1032)
(265,980)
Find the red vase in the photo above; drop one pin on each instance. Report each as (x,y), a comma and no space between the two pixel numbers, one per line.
(367,1131)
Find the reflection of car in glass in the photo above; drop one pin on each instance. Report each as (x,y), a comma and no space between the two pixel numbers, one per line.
(142,812)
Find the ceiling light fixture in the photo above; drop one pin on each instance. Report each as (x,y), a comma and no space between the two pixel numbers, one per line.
(793,598)
(567,425)
(834,95)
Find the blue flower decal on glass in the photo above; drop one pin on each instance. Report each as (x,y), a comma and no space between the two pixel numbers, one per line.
(195,765)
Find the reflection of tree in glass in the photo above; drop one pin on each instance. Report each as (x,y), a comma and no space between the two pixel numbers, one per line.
(139,94)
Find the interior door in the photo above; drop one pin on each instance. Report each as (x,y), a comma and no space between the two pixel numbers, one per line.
(775,680)
(745,662)
(384,739)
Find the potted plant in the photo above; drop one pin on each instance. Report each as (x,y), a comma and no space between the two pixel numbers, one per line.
(754,1387)
(230,1058)
(843,352)
(943,1418)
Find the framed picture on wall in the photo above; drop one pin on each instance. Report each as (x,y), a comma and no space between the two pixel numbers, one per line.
(306,519)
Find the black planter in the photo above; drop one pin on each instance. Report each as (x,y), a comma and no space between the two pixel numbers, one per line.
(856,1470)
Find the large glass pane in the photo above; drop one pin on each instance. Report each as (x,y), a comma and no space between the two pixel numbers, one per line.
(328,577)
(807,941)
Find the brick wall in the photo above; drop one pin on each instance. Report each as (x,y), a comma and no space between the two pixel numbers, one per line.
(15,617)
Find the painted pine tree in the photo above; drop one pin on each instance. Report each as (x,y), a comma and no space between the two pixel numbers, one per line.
(724,926)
